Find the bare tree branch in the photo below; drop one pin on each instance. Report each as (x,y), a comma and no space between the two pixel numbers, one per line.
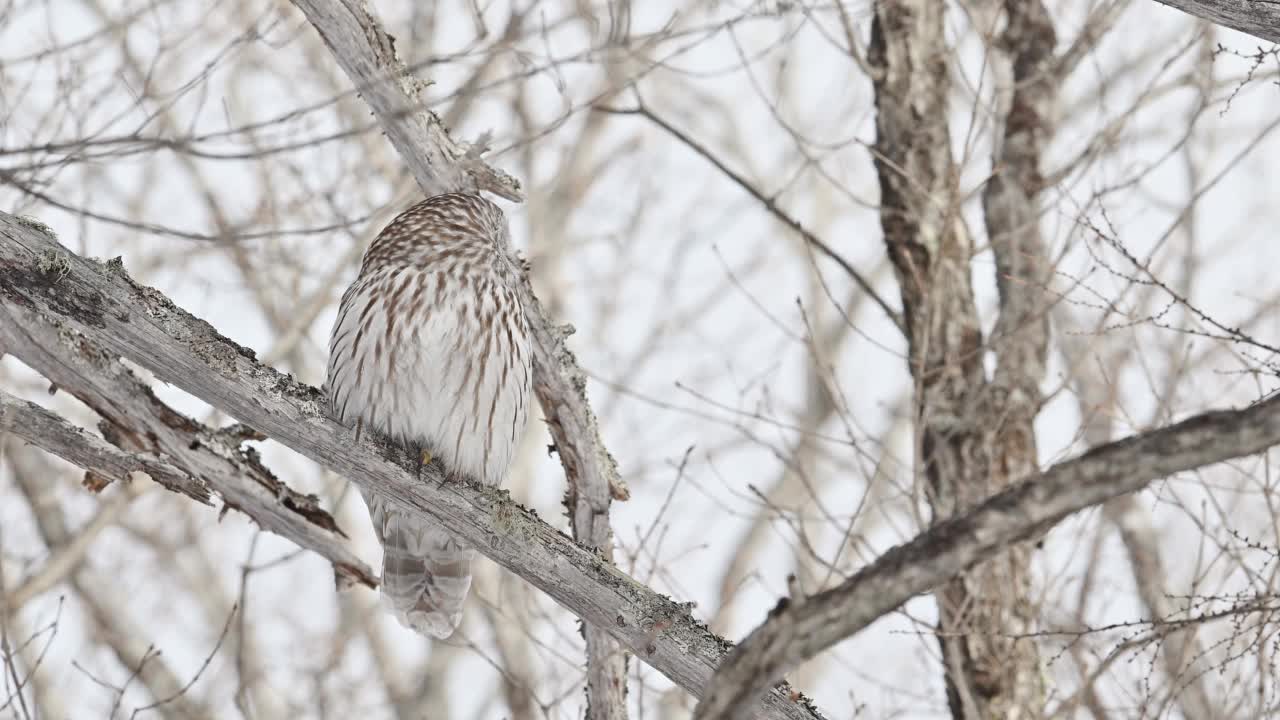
(186,457)
(107,613)
(1100,21)
(49,432)
(771,204)
(367,54)
(590,478)
(804,627)
(1259,18)
(77,302)
(30,422)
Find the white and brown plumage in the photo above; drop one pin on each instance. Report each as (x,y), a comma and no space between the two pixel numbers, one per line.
(431,349)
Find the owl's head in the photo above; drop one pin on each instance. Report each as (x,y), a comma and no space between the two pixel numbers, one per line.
(493,220)
(453,227)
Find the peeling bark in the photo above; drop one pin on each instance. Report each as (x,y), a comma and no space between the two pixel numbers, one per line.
(144,434)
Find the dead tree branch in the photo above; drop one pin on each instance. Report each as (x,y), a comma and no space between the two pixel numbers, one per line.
(1028,509)
(367,54)
(67,303)
(1253,17)
(178,453)
(590,478)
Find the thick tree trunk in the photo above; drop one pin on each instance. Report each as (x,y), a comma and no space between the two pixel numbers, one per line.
(975,436)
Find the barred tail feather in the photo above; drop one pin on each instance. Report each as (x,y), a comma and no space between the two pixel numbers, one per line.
(426,572)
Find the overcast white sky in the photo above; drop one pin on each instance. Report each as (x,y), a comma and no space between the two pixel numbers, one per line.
(684,295)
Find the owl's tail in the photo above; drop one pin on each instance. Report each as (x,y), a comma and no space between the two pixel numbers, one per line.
(426,572)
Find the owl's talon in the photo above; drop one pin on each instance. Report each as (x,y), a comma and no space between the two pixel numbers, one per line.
(424,459)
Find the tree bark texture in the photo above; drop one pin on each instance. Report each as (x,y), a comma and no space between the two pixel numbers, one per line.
(801,628)
(366,52)
(975,435)
(70,307)
(1259,18)
(70,318)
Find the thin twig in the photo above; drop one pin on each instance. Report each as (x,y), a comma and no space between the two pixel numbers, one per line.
(769,204)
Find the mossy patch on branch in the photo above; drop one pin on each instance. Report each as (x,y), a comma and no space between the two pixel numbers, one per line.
(54,263)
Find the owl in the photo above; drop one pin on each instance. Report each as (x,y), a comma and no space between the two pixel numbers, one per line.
(431,350)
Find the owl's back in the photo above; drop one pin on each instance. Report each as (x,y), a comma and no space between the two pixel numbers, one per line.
(431,349)
(431,343)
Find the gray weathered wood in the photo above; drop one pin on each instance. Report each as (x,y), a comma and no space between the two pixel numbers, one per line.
(1259,18)
(367,54)
(44,284)
(593,482)
(148,436)
(49,432)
